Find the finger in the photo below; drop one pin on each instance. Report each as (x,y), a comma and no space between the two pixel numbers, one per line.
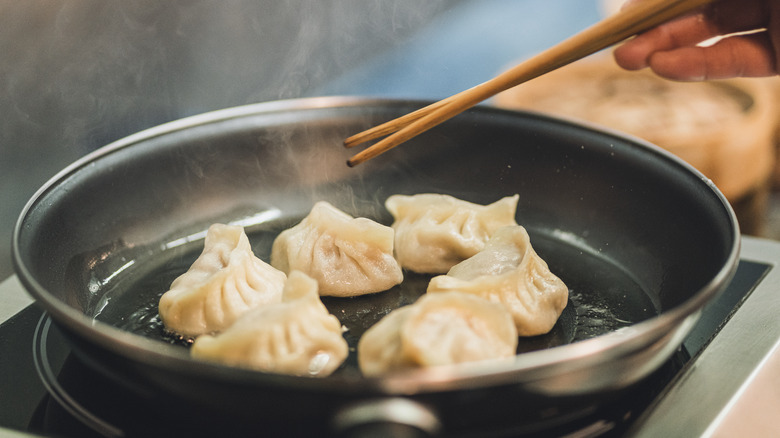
(739,56)
(635,54)
(688,30)
(717,19)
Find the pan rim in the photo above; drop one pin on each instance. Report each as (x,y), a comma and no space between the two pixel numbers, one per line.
(526,367)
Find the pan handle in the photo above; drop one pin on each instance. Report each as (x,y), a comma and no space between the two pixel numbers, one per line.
(395,417)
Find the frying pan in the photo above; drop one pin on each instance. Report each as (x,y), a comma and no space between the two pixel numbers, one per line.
(642,240)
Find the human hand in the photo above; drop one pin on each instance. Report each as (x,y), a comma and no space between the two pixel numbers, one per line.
(672,49)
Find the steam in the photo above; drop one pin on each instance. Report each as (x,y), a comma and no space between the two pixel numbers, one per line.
(78,74)
(89,72)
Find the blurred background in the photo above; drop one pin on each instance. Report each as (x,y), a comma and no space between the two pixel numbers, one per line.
(78,74)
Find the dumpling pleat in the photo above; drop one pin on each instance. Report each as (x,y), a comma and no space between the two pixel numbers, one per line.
(284,337)
(435,232)
(508,271)
(438,329)
(347,256)
(224,282)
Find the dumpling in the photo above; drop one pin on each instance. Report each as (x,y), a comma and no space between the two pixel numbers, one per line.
(225,281)
(508,271)
(440,329)
(297,336)
(433,232)
(347,256)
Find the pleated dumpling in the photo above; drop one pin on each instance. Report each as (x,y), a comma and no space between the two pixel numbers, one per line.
(440,329)
(297,336)
(508,271)
(225,281)
(347,256)
(433,232)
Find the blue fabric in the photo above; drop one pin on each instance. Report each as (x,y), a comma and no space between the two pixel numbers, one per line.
(465,46)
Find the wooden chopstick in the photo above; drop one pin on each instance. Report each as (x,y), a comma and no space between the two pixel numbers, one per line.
(613,29)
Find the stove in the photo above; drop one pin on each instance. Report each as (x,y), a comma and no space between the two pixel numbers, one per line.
(718,383)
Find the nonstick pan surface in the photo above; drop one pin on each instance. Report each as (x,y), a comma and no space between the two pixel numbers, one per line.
(642,240)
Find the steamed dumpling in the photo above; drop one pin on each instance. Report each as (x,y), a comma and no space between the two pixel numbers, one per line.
(347,256)
(508,271)
(297,336)
(440,329)
(433,232)
(225,281)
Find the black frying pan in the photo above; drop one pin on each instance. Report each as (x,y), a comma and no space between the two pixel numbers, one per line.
(642,240)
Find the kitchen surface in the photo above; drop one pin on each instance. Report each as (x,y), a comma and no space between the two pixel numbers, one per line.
(78,75)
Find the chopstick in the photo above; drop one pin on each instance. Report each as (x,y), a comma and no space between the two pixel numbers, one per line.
(624,24)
